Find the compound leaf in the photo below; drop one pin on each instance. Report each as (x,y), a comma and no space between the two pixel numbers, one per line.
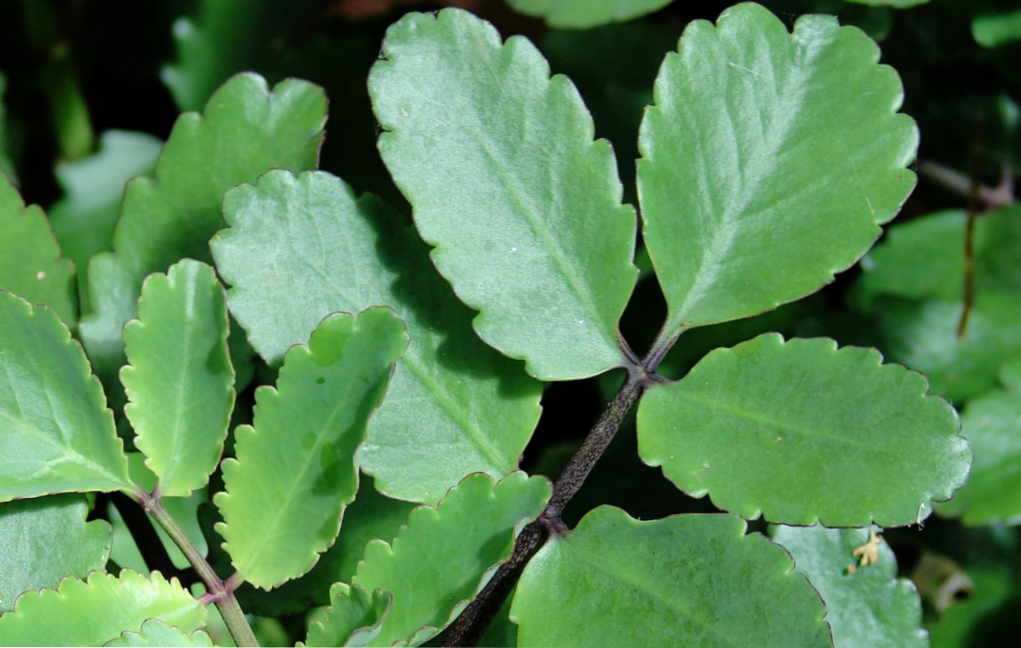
(301,247)
(45,539)
(499,163)
(801,431)
(582,14)
(30,263)
(179,380)
(716,585)
(157,633)
(305,434)
(865,606)
(769,161)
(434,566)
(80,613)
(56,434)
(354,618)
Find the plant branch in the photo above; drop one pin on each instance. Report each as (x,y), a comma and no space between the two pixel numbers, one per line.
(959,183)
(149,544)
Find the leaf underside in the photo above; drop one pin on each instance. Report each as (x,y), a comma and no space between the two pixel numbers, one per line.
(582,14)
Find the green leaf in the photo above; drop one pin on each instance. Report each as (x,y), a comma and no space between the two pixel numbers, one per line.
(499,163)
(995,29)
(157,633)
(56,434)
(179,379)
(245,130)
(45,539)
(715,585)
(434,566)
(80,613)
(869,607)
(30,263)
(801,431)
(581,14)
(301,247)
(896,4)
(354,618)
(769,161)
(6,164)
(304,436)
(993,600)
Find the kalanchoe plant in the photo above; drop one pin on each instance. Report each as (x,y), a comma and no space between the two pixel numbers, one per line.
(770,159)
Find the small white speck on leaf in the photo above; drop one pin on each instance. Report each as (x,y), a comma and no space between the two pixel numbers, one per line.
(404,113)
(40,275)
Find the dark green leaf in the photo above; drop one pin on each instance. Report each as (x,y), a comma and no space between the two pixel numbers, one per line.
(587,13)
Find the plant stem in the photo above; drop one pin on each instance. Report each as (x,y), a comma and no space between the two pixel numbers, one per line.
(149,544)
(959,183)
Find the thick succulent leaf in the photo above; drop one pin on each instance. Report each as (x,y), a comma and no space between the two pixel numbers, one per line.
(801,431)
(581,14)
(996,29)
(80,613)
(869,607)
(354,618)
(434,566)
(156,633)
(45,539)
(715,585)
(305,435)
(179,380)
(301,247)
(6,164)
(769,162)
(463,109)
(30,262)
(245,130)
(56,434)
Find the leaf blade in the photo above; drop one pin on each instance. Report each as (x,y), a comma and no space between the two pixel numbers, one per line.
(582,14)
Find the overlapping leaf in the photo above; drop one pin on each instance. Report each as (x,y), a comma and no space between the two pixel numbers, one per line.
(45,539)
(865,606)
(301,247)
(245,130)
(30,262)
(434,566)
(499,164)
(179,380)
(155,632)
(80,613)
(354,618)
(766,168)
(56,434)
(801,431)
(305,435)
(686,580)
(587,13)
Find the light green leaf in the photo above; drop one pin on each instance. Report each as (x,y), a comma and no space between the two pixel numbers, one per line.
(801,431)
(353,619)
(179,379)
(869,607)
(80,613)
(434,566)
(305,435)
(6,164)
(45,539)
(995,29)
(30,262)
(499,163)
(769,162)
(245,130)
(157,633)
(301,247)
(717,587)
(581,14)
(56,434)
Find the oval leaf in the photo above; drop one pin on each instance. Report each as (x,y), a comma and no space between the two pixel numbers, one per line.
(156,633)
(499,163)
(581,14)
(305,435)
(801,431)
(56,434)
(180,380)
(768,162)
(715,585)
(301,247)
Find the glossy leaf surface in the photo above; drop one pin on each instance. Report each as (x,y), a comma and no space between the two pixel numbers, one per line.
(30,262)
(301,247)
(769,161)
(155,632)
(800,431)
(56,434)
(434,566)
(353,619)
(45,539)
(716,585)
(305,434)
(869,607)
(179,380)
(461,109)
(81,613)
(581,14)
